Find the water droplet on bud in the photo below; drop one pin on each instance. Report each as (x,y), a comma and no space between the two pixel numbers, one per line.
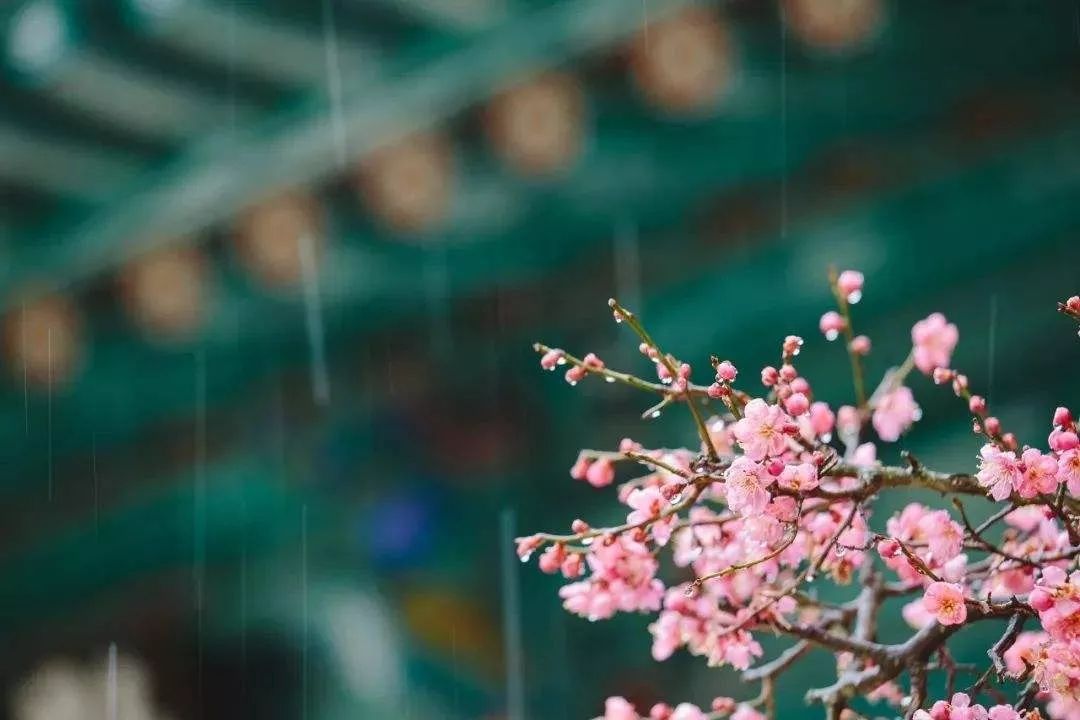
(691,591)
(561,361)
(841,551)
(609,379)
(525,557)
(676,498)
(572,383)
(831,335)
(826,437)
(587,541)
(854,297)
(654,414)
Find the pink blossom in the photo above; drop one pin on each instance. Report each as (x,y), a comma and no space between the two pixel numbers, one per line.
(618,708)
(601,473)
(894,413)
(999,471)
(1024,651)
(761,430)
(746,486)
(1063,440)
(1069,470)
(800,478)
(1039,474)
(934,339)
(944,537)
(945,601)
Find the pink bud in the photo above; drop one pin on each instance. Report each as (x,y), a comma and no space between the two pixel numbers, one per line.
(1062,417)
(579,526)
(580,467)
(684,371)
(591,360)
(1009,441)
(717,391)
(1040,599)
(940,711)
(831,324)
(723,705)
(601,473)
(526,545)
(660,711)
(847,418)
(959,383)
(888,548)
(628,445)
(726,372)
(800,384)
(551,559)
(1063,440)
(1073,304)
(992,425)
(575,375)
(552,358)
(977,404)
(822,418)
(792,345)
(943,375)
(769,376)
(775,467)
(797,404)
(850,284)
(788,372)
(571,566)
(860,345)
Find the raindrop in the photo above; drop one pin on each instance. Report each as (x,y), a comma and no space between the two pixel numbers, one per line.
(906,700)
(593,618)
(572,382)
(796,351)
(676,498)
(618,319)
(654,414)
(609,379)
(691,590)
(525,558)
(810,577)
(854,297)
(831,335)
(917,414)
(561,361)
(826,437)
(841,551)
(587,541)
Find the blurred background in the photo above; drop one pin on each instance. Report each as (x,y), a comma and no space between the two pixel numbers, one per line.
(271,270)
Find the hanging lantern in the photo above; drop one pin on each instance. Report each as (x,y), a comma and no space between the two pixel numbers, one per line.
(164,291)
(834,25)
(268,237)
(407,185)
(537,127)
(43,341)
(683,64)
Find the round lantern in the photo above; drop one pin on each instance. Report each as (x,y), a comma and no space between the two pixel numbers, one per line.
(537,127)
(268,237)
(43,340)
(833,25)
(683,64)
(406,186)
(164,291)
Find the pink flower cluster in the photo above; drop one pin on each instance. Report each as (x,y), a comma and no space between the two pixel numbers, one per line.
(780,490)
(961,708)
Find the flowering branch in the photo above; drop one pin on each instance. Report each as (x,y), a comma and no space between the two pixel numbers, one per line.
(766,503)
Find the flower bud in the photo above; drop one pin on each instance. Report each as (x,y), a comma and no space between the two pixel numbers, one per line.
(1062,417)
(769,376)
(850,284)
(977,404)
(860,345)
(726,372)
(797,404)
